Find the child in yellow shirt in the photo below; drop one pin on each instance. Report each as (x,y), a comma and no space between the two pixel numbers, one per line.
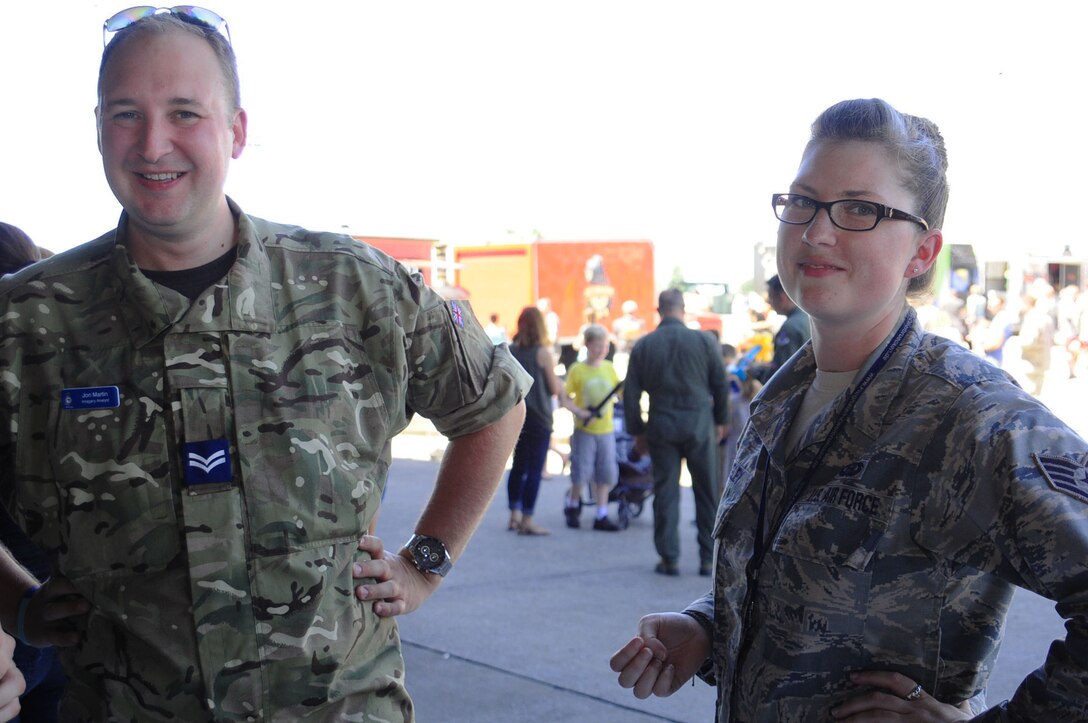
(593,444)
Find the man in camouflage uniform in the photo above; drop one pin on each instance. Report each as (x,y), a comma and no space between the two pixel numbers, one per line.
(848,581)
(200,406)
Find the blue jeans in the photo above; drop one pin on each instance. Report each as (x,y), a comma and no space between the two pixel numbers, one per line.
(523,484)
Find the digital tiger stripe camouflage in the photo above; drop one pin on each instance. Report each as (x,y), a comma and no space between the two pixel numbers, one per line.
(948,486)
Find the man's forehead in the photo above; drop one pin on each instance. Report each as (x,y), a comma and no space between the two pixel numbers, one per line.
(150,60)
(154,40)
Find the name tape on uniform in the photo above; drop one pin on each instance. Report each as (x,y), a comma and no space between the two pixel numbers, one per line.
(91,398)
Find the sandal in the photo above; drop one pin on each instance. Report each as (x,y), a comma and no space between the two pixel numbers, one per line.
(515,521)
(528,528)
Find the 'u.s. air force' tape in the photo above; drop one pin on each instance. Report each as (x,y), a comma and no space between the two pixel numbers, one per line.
(207,462)
(1067,474)
(90,398)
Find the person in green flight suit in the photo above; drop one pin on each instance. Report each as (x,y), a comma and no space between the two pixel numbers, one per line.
(681,371)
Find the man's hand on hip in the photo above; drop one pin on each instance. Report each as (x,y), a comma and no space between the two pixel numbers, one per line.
(398,587)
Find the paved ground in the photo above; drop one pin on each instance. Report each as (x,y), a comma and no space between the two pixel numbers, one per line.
(523,627)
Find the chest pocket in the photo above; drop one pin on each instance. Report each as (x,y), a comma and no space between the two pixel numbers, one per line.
(312,430)
(837,526)
(112,471)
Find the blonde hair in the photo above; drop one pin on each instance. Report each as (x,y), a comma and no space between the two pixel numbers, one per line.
(594,332)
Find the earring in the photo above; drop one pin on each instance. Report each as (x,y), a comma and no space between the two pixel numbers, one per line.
(915,269)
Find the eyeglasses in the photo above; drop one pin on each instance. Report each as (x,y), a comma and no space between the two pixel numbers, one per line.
(847,214)
(189,13)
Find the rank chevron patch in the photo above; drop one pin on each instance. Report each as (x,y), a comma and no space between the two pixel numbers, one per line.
(1065,474)
(207,462)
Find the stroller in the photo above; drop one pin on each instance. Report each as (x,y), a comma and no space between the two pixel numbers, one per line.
(636,481)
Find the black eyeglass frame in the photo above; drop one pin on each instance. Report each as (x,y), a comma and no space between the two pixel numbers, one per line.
(882,212)
(192,14)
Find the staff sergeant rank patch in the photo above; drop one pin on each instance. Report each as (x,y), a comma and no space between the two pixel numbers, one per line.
(1066,474)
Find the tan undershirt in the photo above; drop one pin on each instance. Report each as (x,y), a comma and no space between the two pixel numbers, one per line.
(823,391)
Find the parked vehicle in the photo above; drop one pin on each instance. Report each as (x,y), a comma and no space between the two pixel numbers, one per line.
(584,282)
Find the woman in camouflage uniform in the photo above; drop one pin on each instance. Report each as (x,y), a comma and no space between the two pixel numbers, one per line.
(891,488)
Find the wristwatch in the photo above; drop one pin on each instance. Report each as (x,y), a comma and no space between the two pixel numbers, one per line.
(429,554)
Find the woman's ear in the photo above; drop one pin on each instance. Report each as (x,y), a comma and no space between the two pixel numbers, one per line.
(926,253)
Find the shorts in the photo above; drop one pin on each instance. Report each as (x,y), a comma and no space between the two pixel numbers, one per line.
(593,458)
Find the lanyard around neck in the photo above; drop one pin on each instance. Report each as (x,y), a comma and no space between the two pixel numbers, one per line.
(761,541)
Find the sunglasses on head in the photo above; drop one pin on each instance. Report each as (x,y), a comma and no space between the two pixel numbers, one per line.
(191,14)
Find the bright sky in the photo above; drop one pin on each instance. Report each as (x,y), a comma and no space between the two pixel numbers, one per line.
(486,120)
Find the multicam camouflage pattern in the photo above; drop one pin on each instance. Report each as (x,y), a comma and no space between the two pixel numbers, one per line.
(941,494)
(229,601)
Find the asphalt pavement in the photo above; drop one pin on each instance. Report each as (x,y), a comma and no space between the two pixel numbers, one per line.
(523,627)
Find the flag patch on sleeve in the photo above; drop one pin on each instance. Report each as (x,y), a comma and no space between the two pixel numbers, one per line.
(457,314)
(1065,474)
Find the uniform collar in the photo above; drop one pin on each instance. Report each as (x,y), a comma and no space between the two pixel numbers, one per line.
(243,304)
(776,405)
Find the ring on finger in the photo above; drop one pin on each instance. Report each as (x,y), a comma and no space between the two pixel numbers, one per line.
(915,693)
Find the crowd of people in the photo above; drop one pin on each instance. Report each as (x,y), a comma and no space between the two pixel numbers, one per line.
(199,405)
(1024,335)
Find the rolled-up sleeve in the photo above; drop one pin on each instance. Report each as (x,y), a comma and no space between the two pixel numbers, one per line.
(457,378)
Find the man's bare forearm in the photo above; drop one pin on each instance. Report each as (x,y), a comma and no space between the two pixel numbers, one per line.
(470,473)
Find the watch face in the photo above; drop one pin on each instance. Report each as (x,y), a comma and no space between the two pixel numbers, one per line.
(429,553)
